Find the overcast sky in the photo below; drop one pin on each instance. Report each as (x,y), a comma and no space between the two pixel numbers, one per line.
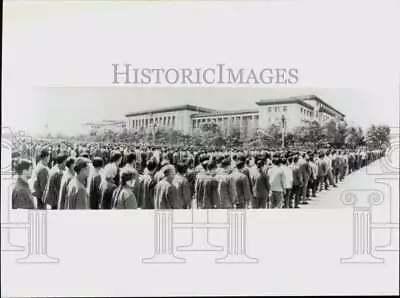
(74,43)
(64,109)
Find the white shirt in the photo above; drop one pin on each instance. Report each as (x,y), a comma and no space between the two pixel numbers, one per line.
(288,172)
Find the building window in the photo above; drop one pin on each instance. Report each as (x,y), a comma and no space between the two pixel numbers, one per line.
(276,109)
(284,108)
(269,109)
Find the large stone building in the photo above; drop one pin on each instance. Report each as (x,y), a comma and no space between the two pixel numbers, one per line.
(290,112)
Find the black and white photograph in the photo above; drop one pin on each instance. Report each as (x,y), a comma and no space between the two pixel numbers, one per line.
(278,149)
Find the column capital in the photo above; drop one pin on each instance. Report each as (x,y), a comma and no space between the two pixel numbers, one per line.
(362,198)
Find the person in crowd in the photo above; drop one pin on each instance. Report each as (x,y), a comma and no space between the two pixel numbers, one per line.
(115,161)
(314,176)
(322,172)
(306,173)
(107,186)
(260,182)
(297,182)
(287,166)
(277,182)
(165,196)
(184,198)
(147,186)
(77,196)
(123,196)
(40,177)
(223,178)
(68,174)
(21,194)
(130,165)
(240,188)
(343,166)
(329,175)
(52,191)
(94,183)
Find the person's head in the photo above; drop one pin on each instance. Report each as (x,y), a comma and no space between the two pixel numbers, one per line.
(169,172)
(284,161)
(240,165)
(260,163)
(81,167)
(203,158)
(116,158)
(127,178)
(131,158)
(212,166)
(163,163)
(226,163)
(275,161)
(152,165)
(190,163)
(44,156)
(181,168)
(23,168)
(290,160)
(98,163)
(69,163)
(61,160)
(295,159)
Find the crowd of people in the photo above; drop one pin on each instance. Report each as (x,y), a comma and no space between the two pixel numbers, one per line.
(65,175)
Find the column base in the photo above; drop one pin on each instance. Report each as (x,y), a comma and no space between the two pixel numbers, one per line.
(38,259)
(200,242)
(392,246)
(6,244)
(360,259)
(236,259)
(163,259)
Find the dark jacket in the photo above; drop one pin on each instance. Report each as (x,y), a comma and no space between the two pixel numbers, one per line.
(21,195)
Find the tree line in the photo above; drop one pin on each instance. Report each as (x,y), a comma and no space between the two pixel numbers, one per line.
(333,133)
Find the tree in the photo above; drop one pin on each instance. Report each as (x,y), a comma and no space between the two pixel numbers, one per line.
(290,139)
(335,132)
(377,136)
(354,136)
(274,132)
(309,133)
(260,139)
(210,127)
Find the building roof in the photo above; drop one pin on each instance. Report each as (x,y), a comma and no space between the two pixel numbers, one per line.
(314,97)
(328,111)
(171,109)
(225,113)
(104,122)
(297,99)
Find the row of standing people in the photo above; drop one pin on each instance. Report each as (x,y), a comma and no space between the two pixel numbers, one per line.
(283,181)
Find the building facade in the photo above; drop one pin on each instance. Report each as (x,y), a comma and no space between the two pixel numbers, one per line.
(289,112)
